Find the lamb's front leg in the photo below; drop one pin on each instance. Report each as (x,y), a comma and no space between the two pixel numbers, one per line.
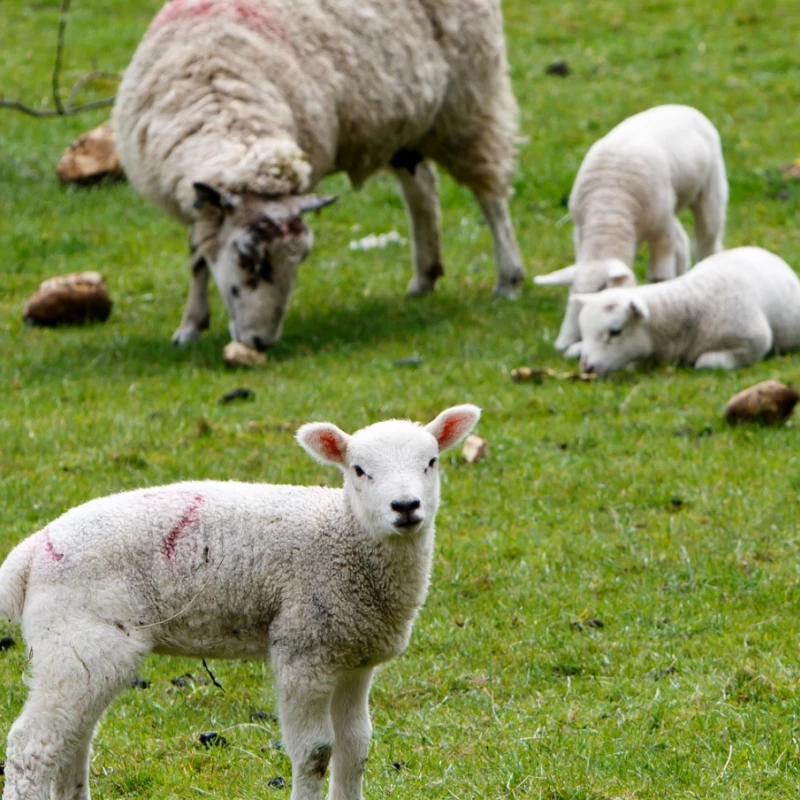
(305,712)
(417,179)
(197,314)
(353,729)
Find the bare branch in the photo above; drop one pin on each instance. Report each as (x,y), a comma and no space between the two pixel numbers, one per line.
(61,109)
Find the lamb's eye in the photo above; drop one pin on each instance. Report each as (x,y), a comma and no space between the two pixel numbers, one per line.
(615,331)
(359,472)
(432,463)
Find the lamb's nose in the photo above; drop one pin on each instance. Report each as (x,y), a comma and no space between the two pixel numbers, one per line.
(588,369)
(405,506)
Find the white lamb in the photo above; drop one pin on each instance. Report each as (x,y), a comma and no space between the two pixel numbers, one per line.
(629,189)
(326,583)
(231,110)
(731,310)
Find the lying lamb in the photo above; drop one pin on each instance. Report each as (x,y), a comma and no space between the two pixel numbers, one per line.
(629,189)
(231,110)
(729,311)
(324,582)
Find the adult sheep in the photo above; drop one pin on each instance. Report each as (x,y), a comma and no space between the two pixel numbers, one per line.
(232,110)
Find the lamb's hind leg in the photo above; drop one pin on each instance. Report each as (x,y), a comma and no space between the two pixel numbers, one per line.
(353,729)
(754,343)
(669,252)
(418,184)
(72,681)
(197,314)
(709,215)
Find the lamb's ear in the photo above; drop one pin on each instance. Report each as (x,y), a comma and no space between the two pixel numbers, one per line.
(639,308)
(324,441)
(209,197)
(561,277)
(620,274)
(451,426)
(314,202)
(581,300)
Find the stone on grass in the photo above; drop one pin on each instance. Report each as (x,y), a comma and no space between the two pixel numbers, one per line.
(768,403)
(69,300)
(91,157)
(237,354)
(475,448)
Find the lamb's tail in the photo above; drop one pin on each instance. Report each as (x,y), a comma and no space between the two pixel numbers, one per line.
(14,579)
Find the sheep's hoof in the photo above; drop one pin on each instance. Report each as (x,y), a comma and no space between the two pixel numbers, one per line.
(573,351)
(419,287)
(508,288)
(185,334)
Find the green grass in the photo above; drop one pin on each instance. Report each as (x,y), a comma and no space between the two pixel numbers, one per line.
(627,500)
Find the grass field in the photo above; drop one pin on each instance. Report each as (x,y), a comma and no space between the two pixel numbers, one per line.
(627,501)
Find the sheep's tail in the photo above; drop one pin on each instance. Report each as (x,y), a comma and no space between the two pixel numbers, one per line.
(14,579)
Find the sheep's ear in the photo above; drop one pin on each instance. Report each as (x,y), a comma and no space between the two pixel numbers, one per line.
(639,308)
(314,202)
(324,441)
(561,277)
(620,274)
(451,426)
(580,299)
(208,197)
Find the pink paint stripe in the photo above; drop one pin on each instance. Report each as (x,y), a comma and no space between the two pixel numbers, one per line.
(51,551)
(243,12)
(190,516)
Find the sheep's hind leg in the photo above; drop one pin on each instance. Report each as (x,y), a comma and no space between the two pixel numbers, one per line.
(353,729)
(669,252)
(418,184)
(197,314)
(506,250)
(709,217)
(47,754)
(749,352)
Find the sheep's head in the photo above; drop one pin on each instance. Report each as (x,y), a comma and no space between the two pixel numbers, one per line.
(391,468)
(256,245)
(613,329)
(585,278)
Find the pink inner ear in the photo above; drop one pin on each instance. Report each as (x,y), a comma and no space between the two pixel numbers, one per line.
(451,430)
(331,446)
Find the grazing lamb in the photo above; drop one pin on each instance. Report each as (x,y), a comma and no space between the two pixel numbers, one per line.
(324,582)
(231,110)
(629,189)
(729,311)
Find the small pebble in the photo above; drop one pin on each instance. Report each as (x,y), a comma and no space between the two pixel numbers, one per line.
(263,716)
(411,361)
(242,393)
(560,68)
(277,782)
(213,739)
(140,683)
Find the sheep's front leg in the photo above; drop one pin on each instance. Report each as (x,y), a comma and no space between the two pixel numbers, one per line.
(353,729)
(420,191)
(305,712)
(506,250)
(197,314)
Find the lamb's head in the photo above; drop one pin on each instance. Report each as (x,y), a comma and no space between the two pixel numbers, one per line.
(253,245)
(586,277)
(391,468)
(614,330)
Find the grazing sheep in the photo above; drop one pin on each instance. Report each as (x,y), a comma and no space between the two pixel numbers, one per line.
(231,110)
(629,189)
(729,311)
(324,582)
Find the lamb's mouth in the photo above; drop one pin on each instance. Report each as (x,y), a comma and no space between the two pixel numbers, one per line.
(407,521)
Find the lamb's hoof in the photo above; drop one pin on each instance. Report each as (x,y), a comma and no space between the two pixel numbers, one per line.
(184,335)
(573,351)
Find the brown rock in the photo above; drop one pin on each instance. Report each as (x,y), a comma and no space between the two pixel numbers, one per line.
(90,157)
(792,169)
(475,448)
(237,354)
(768,403)
(69,300)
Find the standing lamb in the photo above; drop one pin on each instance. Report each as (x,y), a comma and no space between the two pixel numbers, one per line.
(729,311)
(325,582)
(231,110)
(629,189)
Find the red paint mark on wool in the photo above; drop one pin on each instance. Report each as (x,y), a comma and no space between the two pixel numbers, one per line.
(245,12)
(190,516)
(51,551)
